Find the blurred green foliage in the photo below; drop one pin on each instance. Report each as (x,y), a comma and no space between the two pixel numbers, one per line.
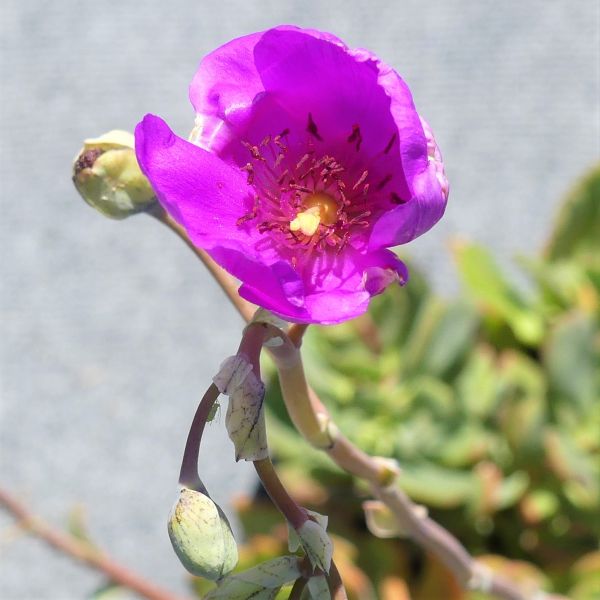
(490,402)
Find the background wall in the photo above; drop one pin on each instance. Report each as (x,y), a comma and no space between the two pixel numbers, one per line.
(111,330)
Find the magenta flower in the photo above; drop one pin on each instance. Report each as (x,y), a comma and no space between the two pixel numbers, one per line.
(308,161)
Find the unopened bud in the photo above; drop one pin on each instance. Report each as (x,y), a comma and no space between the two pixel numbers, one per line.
(201,536)
(107,175)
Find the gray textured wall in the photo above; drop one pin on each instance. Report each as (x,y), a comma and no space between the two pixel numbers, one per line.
(111,330)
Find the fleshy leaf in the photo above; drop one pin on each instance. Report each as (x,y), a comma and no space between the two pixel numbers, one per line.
(261,582)
(380,520)
(313,538)
(572,355)
(488,287)
(577,229)
(318,588)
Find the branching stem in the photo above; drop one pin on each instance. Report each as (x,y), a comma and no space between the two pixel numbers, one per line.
(314,423)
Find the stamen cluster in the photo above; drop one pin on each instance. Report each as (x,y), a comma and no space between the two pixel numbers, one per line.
(314,203)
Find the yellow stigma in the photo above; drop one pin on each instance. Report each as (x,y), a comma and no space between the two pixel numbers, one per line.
(320,208)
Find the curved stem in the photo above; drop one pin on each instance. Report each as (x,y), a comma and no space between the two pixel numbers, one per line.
(297,589)
(251,344)
(283,501)
(300,400)
(336,586)
(83,551)
(188,475)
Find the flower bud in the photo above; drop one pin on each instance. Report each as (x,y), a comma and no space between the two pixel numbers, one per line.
(201,536)
(107,175)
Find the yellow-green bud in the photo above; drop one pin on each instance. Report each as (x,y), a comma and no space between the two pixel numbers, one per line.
(201,536)
(107,175)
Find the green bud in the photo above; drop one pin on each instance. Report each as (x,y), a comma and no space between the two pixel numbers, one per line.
(201,536)
(107,175)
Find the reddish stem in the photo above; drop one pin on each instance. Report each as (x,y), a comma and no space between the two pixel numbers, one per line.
(188,476)
(278,494)
(83,551)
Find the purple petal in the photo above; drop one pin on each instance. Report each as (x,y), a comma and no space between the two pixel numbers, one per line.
(390,269)
(424,209)
(226,86)
(324,308)
(336,287)
(276,287)
(207,196)
(410,220)
(265,82)
(202,193)
(333,291)
(338,87)
(223,90)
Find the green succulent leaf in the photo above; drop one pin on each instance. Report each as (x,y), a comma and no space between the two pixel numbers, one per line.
(577,229)
(261,582)
(436,486)
(488,287)
(572,356)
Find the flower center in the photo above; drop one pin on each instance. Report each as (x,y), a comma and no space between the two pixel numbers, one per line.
(306,199)
(320,208)
(326,206)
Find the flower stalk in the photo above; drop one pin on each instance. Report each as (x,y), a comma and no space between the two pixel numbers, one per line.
(294,514)
(188,475)
(301,400)
(297,589)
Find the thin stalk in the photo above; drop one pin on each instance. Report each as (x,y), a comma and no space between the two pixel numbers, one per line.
(188,475)
(297,589)
(286,505)
(336,586)
(83,551)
